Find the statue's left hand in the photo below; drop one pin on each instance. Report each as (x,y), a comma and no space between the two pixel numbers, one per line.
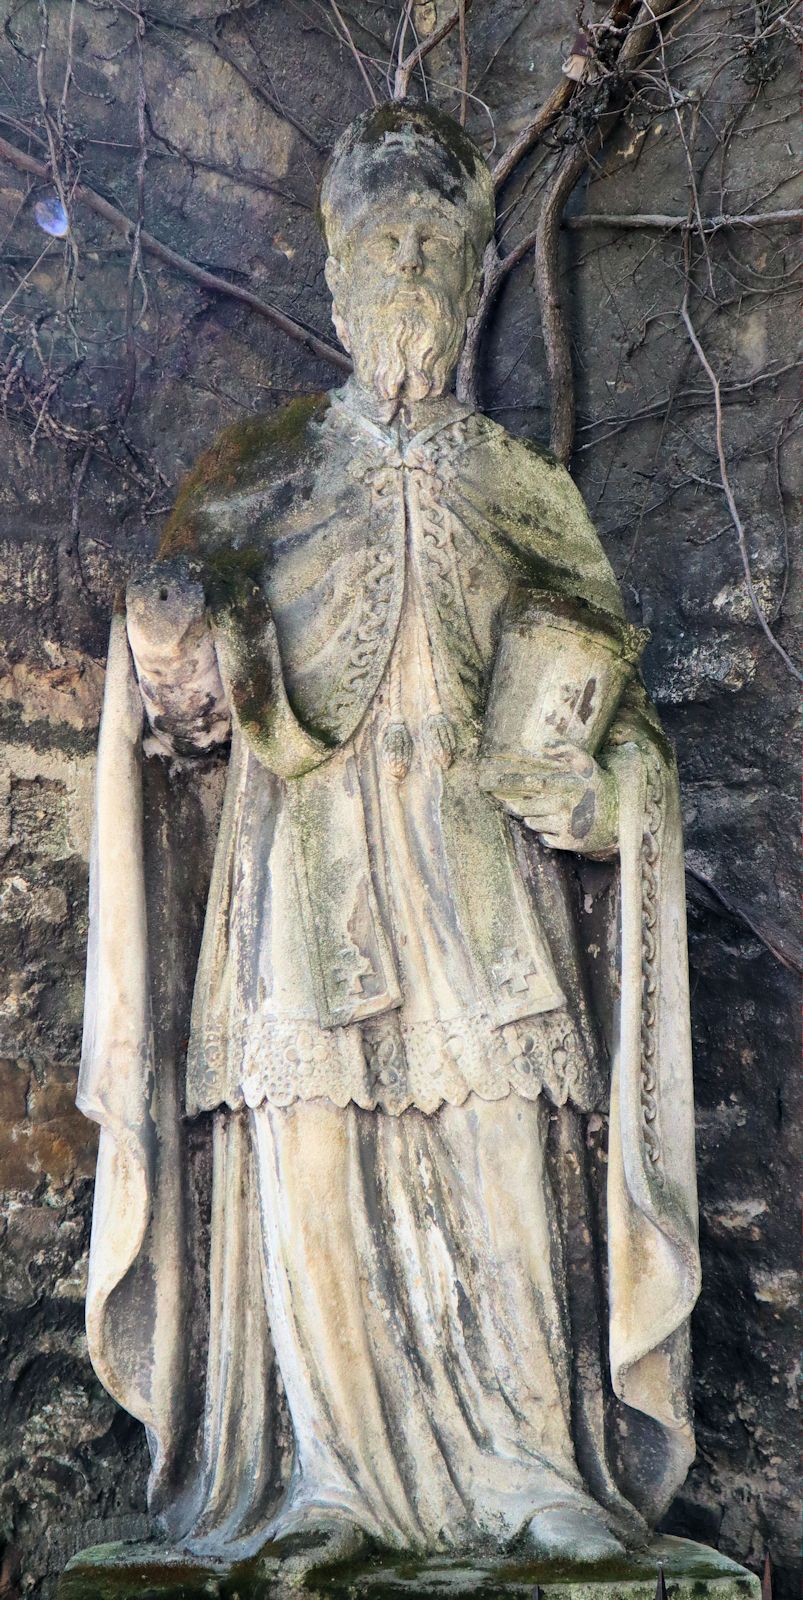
(569,800)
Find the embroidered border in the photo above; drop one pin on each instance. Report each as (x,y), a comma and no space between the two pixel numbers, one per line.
(649,974)
(388,1064)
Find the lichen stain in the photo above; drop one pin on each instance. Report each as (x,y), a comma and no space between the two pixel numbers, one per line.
(270,440)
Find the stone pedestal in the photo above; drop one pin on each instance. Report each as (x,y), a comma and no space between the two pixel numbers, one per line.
(148,1572)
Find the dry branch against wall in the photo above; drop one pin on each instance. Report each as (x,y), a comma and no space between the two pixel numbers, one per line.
(633,40)
(171,258)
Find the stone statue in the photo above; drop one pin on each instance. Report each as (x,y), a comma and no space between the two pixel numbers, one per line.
(351,1262)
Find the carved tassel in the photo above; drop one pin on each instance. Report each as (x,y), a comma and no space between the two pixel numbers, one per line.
(397,744)
(397,749)
(441,739)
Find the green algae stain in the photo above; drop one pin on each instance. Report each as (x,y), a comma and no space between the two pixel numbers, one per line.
(228,465)
(536,448)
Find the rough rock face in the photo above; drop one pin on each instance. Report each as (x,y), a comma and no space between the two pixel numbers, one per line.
(230,182)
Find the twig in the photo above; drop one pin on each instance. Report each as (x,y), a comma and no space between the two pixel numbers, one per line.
(461,12)
(655,219)
(357,54)
(237,174)
(780,439)
(683,399)
(135,273)
(569,170)
(56,150)
(270,98)
(688,146)
(24,280)
(548,113)
(171,258)
(406,68)
(545,237)
(726,483)
(553,106)
(400,39)
(772,938)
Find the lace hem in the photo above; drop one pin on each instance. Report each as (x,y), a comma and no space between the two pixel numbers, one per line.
(389,1064)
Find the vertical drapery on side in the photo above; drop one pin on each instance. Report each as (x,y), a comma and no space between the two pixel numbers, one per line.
(654,1267)
(134,1309)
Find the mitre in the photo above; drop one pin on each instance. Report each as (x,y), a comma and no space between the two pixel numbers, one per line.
(407,155)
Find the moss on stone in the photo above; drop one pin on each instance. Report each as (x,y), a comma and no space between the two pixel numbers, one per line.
(540,451)
(230,462)
(693,1572)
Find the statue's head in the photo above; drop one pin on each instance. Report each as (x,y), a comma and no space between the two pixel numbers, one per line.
(407,209)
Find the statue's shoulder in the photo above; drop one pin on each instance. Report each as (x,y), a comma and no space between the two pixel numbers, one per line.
(525,455)
(526,480)
(536,507)
(248,455)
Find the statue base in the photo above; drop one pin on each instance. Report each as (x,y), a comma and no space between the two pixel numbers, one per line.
(154,1572)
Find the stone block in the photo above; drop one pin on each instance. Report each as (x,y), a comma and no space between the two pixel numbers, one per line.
(150,1572)
(58,1151)
(14,1081)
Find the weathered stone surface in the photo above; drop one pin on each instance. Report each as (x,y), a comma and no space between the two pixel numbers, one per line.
(206,362)
(692,1572)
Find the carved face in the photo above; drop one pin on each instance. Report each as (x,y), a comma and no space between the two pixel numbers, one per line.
(403,287)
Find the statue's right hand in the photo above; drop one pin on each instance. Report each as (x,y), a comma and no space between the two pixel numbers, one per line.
(166,608)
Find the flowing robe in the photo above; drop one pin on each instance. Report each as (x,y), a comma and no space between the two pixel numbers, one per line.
(390,991)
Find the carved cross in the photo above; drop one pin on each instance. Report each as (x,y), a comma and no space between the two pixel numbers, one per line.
(352,967)
(512,973)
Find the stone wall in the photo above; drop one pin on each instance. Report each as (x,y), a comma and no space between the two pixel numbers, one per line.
(106,407)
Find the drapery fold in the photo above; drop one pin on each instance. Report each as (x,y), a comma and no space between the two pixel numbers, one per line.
(143,1266)
(654,1266)
(135,1299)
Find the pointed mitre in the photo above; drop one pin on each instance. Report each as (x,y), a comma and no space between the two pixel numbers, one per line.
(399,155)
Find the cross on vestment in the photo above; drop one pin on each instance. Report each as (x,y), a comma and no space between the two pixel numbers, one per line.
(511,973)
(352,968)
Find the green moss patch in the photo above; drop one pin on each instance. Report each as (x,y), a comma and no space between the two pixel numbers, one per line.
(231,461)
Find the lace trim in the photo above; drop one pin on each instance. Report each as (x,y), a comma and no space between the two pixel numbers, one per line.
(389,1064)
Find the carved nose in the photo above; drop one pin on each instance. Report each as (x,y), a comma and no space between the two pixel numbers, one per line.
(409,258)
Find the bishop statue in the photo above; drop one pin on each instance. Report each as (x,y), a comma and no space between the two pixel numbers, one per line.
(352,1264)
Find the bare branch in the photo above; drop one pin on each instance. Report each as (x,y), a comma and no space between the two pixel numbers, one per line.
(727,488)
(407,67)
(269,97)
(461,12)
(772,938)
(548,113)
(553,327)
(545,237)
(494,268)
(171,258)
(135,273)
(668,224)
(554,105)
(357,54)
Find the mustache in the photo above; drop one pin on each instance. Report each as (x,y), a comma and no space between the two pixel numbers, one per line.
(407,294)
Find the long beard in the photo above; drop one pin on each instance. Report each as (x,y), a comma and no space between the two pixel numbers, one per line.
(407,344)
